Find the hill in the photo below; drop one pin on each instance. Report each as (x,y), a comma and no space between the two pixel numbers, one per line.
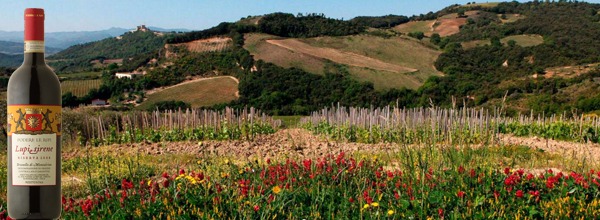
(384,62)
(7,60)
(200,92)
(65,39)
(131,46)
(13,48)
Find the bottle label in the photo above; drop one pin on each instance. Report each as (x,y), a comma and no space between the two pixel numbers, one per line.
(34,131)
(34,46)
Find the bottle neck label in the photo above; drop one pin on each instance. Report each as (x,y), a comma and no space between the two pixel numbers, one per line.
(34,46)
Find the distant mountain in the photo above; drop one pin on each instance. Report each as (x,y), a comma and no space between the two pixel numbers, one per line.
(7,60)
(14,48)
(63,40)
(169,29)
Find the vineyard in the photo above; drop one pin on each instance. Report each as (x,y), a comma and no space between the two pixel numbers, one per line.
(448,126)
(170,126)
(371,163)
(204,45)
(80,87)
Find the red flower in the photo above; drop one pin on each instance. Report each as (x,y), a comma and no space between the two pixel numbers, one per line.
(165,183)
(520,171)
(441,213)
(460,194)
(256,208)
(86,207)
(165,175)
(530,177)
(519,194)
(351,200)
(307,164)
(506,170)
(181,172)
(461,169)
(2,214)
(535,193)
(125,185)
(472,173)
(496,194)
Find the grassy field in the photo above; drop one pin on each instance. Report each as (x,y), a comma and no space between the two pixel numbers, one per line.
(436,171)
(522,40)
(390,60)
(257,46)
(416,26)
(289,121)
(511,18)
(80,87)
(525,40)
(198,93)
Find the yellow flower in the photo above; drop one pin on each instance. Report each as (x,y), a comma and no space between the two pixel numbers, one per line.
(390,212)
(149,182)
(199,162)
(276,190)
(138,212)
(375,204)
(226,161)
(366,206)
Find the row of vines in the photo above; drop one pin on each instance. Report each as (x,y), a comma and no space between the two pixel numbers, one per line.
(451,126)
(173,125)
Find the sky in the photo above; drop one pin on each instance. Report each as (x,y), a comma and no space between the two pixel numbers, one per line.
(86,15)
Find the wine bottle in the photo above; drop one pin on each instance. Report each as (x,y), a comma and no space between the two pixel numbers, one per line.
(34,132)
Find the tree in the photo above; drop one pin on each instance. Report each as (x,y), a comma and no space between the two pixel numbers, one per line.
(435,38)
(417,34)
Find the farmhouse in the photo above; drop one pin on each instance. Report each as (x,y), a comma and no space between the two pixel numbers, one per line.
(128,75)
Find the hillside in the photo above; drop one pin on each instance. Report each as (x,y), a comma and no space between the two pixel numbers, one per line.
(129,46)
(384,62)
(12,48)
(200,92)
(7,60)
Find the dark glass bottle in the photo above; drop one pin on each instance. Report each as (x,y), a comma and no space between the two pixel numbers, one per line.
(34,138)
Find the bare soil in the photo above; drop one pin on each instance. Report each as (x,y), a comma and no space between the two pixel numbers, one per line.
(300,143)
(589,151)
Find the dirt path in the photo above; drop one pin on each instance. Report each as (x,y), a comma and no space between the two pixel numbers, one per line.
(589,151)
(300,143)
(148,92)
(338,56)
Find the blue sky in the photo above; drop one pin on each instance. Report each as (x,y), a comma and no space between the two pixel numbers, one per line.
(85,15)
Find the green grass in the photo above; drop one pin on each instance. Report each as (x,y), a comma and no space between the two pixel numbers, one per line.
(289,121)
(207,92)
(415,26)
(521,40)
(80,87)
(525,40)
